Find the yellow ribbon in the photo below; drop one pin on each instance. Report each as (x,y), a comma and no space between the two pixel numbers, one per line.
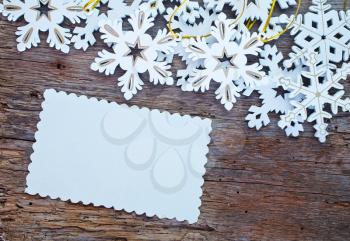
(91,5)
(266,40)
(176,35)
(250,24)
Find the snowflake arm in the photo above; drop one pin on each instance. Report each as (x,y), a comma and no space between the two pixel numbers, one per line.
(58,37)
(14,9)
(71,10)
(106,62)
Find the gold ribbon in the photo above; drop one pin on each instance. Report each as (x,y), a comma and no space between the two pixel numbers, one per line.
(91,5)
(266,40)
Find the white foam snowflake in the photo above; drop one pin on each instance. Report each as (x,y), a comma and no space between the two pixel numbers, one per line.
(256,10)
(272,101)
(83,37)
(186,27)
(225,62)
(135,52)
(319,87)
(322,30)
(45,16)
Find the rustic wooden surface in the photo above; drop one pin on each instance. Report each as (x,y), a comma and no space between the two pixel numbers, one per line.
(258,185)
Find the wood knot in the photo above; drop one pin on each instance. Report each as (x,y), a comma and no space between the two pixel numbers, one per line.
(60,66)
(34,94)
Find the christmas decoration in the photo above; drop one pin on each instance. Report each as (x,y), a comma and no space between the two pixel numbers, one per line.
(320,88)
(321,30)
(225,62)
(272,101)
(135,52)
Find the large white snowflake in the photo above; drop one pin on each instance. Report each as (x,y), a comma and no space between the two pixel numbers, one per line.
(225,62)
(320,90)
(106,9)
(135,52)
(272,100)
(322,30)
(45,16)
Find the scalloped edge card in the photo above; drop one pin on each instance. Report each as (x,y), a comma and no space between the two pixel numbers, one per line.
(112,155)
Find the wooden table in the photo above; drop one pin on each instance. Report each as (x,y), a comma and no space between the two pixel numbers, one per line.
(258,186)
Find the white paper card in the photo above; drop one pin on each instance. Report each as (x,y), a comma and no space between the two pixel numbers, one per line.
(117,156)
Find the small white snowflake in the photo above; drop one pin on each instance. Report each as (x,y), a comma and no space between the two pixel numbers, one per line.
(272,101)
(319,87)
(84,36)
(135,52)
(45,16)
(322,30)
(225,62)
(183,28)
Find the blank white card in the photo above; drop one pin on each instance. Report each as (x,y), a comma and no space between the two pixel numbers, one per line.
(130,158)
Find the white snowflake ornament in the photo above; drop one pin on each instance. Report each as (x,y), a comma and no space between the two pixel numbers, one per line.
(319,87)
(272,101)
(45,16)
(183,28)
(83,37)
(135,52)
(225,62)
(321,30)
(188,26)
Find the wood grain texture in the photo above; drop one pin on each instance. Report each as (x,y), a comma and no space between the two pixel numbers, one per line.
(258,185)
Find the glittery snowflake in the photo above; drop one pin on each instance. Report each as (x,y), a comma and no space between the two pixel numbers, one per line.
(225,62)
(322,95)
(135,52)
(272,100)
(45,16)
(322,30)
(106,9)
